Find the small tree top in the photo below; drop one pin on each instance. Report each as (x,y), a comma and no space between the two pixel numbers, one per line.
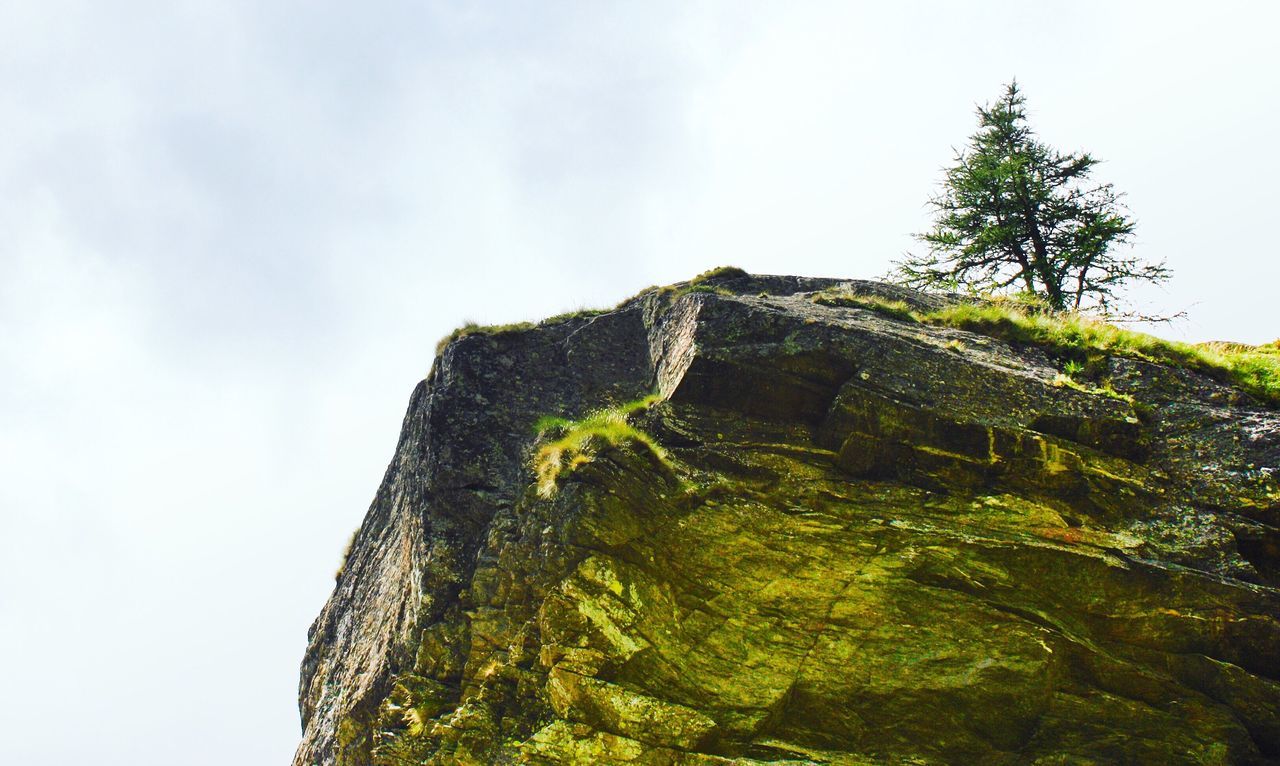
(1017,215)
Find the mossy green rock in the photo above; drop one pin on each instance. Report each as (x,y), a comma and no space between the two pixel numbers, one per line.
(875,542)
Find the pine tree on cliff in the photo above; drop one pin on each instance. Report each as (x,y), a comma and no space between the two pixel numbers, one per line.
(1017,215)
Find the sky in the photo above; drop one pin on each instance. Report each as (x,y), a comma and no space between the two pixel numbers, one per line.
(231,233)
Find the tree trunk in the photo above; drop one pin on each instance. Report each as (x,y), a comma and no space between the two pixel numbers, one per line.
(1052,289)
(1043,267)
(1027,275)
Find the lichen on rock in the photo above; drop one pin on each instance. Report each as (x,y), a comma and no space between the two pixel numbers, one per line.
(846,537)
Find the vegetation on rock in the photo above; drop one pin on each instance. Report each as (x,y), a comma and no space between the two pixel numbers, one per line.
(719,273)
(472,328)
(567,444)
(892,542)
(706,282)
(1079,339)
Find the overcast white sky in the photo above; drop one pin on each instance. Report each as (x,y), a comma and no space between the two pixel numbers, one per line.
(231,233)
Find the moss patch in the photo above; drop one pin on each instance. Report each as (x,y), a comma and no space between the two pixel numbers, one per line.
(403,718)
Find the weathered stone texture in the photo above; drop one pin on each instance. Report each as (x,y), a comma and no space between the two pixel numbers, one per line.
(882,543)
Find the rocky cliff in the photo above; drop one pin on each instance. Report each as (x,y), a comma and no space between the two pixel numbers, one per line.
(849,538)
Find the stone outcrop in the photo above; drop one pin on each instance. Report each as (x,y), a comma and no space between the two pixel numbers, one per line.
(872,542)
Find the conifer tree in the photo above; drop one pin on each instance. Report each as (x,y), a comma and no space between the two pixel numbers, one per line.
(1017,215)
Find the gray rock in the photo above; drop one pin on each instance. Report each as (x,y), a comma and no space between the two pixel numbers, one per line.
(873,541)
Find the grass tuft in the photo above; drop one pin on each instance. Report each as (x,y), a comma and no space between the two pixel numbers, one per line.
(705,288)
(471,328)
(573,443)
(1083,341)
(582,313)
(1079,339)
(346,554)
(847,299)
(719,273)
(703,283)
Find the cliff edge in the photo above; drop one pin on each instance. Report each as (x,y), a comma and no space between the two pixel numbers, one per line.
(847,537)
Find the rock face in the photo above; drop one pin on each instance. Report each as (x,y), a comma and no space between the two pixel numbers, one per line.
(875,542)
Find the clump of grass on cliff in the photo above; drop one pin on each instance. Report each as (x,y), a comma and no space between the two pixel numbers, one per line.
(706,282)
(719,272)
(471,328)
(1253,369)
(572,443)
(1075,337)
(887,306)
(346,554)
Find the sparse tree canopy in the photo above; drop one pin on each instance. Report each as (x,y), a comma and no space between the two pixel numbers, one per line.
(1017,215)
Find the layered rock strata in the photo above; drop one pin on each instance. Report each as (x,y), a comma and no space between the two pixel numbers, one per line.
(872,542)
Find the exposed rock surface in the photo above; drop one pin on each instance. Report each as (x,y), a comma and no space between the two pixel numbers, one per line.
(879,543)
